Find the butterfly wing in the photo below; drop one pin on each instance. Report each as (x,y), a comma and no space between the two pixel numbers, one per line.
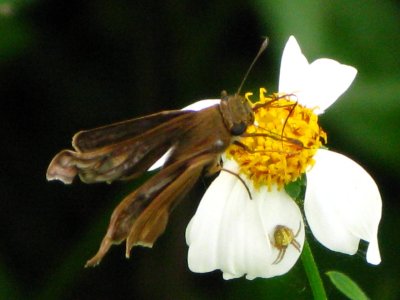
(143,215)
(195,138)
(89,140)
(119,151)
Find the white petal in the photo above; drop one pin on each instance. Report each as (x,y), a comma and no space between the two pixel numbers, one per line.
(277,208)
(294,66)
(199,105)
(316,85)
(160,162)
(326,81)
(343,205)
(232,233)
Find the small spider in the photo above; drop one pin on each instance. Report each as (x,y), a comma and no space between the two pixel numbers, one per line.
(283,237)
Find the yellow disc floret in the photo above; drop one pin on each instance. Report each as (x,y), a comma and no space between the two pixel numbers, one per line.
(280,146)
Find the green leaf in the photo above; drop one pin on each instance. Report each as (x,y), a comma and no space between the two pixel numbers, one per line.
(296,189)
(346,285)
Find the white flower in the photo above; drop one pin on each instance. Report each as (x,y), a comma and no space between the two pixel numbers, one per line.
(235,234)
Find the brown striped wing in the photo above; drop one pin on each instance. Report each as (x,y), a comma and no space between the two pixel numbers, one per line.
(143,215)
(119,151)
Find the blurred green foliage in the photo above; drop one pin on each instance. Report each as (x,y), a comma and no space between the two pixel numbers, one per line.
(347,286)
(69,65)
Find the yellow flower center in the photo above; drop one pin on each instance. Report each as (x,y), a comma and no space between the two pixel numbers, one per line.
(280,146)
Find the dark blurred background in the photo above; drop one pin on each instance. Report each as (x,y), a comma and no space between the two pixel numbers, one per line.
(71,65)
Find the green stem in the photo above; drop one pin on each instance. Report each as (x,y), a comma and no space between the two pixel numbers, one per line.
(311,269)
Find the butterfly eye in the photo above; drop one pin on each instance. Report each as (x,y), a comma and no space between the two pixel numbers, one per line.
(238,128)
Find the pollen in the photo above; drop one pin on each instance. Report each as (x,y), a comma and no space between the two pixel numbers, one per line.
(279,147)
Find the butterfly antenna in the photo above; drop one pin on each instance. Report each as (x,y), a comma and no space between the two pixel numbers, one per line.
(262,49)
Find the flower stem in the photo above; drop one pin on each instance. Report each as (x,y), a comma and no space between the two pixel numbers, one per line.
(311,269)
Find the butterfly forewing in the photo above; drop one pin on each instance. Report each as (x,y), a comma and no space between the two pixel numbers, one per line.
(123,159)
(88,140)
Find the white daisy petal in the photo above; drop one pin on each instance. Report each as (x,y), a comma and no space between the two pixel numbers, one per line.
(316,85)
(199,105)
(277,208)
(343,205)
(160,162)
(203,231)
(232,233)
(202,104)
(326,81)
(294,66)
